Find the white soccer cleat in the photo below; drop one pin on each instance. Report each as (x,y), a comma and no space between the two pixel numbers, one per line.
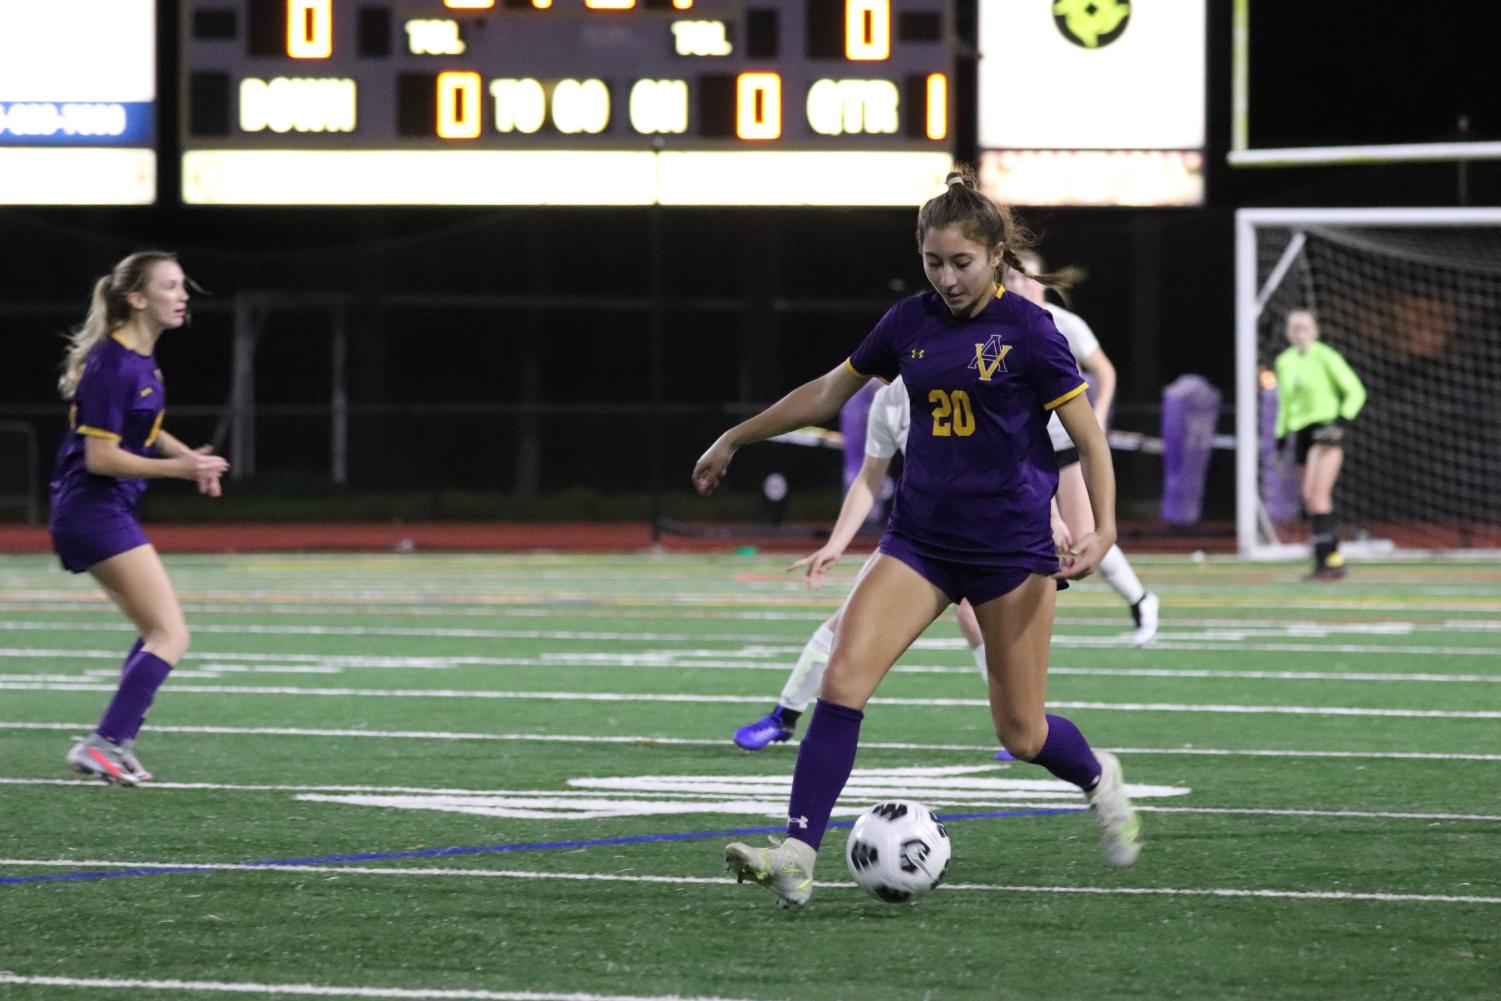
(786,869)
(99,758)
(127,753)
(1144,613)
(1120,830)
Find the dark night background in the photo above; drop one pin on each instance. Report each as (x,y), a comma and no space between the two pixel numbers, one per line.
(754,301)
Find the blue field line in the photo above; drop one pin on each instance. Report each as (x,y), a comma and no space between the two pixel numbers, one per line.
(64,877)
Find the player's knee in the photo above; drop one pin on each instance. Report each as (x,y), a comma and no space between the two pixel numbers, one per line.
(170,643)
(1023,738)
(844,683)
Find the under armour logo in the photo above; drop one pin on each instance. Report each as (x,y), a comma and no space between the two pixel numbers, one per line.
(919,352)
(799,821)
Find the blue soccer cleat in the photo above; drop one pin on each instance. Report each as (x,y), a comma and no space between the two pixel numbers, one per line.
(769,729)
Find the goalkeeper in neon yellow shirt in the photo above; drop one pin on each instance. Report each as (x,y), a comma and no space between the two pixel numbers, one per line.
(1318,395)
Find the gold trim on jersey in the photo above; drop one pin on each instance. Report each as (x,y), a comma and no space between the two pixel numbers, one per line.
(155,428)
(1066,397)
(863,375)
(87,431)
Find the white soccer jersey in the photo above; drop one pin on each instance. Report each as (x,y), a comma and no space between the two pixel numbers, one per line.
(1083,343)
(890,417)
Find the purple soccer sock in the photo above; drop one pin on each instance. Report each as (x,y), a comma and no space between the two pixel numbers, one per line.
(135,648)
(824,760)
(1066,754)
(143,675)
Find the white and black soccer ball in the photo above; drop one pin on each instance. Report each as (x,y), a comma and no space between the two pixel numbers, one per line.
(897,851)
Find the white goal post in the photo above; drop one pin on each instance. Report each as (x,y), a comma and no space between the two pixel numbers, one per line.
(1412,298)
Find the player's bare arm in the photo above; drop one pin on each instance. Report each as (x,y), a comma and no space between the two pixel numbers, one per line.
(811,403)
(1099,479)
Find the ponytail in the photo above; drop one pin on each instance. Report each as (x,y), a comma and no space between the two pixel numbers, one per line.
(986,222)
(109,308)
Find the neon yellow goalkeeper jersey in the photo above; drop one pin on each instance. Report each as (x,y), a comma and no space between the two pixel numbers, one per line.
(1315,387)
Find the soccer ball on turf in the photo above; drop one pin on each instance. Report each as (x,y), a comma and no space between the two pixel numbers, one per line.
(897,851)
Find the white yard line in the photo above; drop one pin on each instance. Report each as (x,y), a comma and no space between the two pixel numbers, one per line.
(680,660)
(654,739)
(670,697)
(529,607)
(313,990)
(1230,892)
(689,798)
(1166,641)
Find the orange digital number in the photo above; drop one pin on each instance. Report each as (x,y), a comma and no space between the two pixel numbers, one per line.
(938,106)
(458,105)
(867,30)
(310,29)
(758,106)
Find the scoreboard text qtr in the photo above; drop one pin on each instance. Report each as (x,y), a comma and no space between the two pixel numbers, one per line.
(461,101)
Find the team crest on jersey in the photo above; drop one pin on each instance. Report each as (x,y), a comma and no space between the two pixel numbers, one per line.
(990,357)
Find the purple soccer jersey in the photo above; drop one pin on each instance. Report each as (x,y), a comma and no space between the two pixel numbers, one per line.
(980,472)
(120,397)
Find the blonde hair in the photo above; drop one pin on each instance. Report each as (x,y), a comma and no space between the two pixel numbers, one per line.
(980,219)
(109,308)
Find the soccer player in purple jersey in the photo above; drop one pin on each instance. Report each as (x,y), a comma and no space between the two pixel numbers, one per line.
(972,520)
(115,442)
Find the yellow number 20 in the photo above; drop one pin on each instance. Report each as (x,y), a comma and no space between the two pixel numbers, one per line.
(952,413)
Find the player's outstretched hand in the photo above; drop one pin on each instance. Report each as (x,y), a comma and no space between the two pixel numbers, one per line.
(711,466)
(203,468)
(1083,557)
(818,564)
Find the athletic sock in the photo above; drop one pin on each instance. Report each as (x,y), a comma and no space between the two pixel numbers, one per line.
(143,675)
(1066,754)
(807,675)
(1325,539)
(135,648)
(1116,570)
(789,717)
(824,761)
(979,654)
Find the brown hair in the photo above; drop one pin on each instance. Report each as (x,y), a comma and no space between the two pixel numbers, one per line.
(980,219)
(109,308)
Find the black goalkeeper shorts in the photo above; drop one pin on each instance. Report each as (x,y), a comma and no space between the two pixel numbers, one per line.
(1332,433)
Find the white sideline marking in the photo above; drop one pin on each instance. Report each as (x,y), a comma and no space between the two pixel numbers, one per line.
(706,881)
(445,693)
(1165,641)
(306,990)
(647,740)
(818,607)
(563,795)
(333,663)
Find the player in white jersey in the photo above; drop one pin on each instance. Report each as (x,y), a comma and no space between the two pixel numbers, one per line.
(885,435)
(1072,499)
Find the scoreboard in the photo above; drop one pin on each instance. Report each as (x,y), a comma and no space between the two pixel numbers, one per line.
(77,102)
(569,102)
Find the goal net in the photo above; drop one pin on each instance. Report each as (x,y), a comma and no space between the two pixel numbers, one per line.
(1412,299)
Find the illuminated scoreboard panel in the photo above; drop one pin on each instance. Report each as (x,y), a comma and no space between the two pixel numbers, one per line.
(691,102)
(1122,122)
(77,102)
